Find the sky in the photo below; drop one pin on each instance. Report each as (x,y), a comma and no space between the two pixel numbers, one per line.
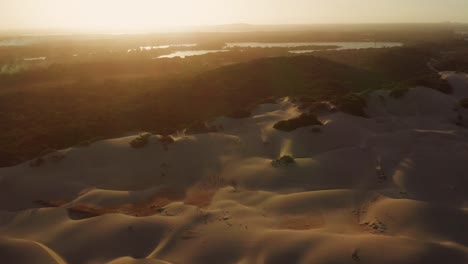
(154,14)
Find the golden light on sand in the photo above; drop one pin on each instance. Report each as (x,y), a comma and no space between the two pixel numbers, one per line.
(286,148)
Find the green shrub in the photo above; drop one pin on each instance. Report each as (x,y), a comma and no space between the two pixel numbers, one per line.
(166,139)
(321,107)
(295,123)
(240,113)
(316,129)
(269,100)
(200,128)
(353,104)
(37,162)
(399,92)
(141,141)
(464,103)
(88,143)
(433,82)
(283,161)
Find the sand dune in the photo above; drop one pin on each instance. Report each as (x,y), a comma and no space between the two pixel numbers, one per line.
(386,189)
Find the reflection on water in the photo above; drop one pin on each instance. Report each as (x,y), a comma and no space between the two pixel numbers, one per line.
(188,53)
(354,45)
(35,59)
(268,45)
(300,47)
(16,42)
(341,45)
(306,51)
(337,46)
(163,47)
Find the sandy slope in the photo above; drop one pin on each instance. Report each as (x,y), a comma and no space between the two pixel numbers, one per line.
(388,189)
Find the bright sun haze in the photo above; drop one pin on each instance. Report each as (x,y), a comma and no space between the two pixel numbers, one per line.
(153,14)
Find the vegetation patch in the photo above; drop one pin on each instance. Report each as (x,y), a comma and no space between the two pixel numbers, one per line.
(141,141)
(375,227)
(304,102)
(464,103)
(37,162)
(433,82)
(200,128)
(239,114)
(399,92)
(322,107)
(316,129)
(167,139)
(247,111)
(353,104)
(315,106)
(89,142)
(56,156)
(302,121)
(457,64)
(284,161)
(269,100)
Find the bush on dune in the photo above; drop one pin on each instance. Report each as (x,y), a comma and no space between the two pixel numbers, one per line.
(428,81)
(37,162)
(200,128)
(87,143)
(433,82)
(283,161)
(141,141)
(322,107)
(167,139)
(247,111)
(314,105)
(459,64)
(239,114)
(353,104)
(302,121)
(464,103)
(398,92)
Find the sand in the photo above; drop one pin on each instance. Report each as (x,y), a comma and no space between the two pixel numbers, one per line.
(391,188)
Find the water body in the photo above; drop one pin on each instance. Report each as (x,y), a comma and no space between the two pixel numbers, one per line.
(35,59)
(188,53)
(341,45)
(16,42)
(163,47)
(355,45)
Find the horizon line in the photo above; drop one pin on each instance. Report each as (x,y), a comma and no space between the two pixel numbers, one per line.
(200,28)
